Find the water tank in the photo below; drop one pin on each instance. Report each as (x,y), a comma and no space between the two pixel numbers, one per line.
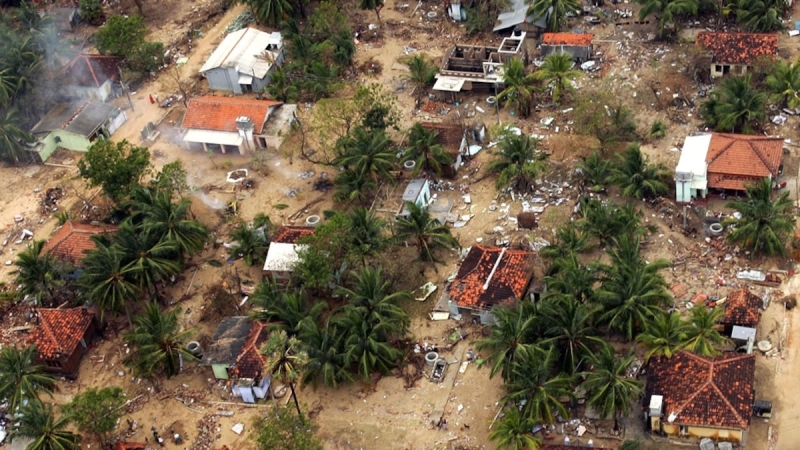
(195,349)
(312,221)
(430,358)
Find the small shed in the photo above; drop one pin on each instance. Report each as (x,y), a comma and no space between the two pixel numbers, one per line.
(418,192)
(578,45)
(227,343)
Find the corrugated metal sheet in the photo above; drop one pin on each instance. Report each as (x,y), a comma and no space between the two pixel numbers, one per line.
(246,50)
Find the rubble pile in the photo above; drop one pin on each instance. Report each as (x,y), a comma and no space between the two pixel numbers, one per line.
(207,433)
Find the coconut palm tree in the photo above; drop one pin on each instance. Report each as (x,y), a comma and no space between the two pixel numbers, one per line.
(371,298)
(569,239)
(428,233)
(250,243)
(285,361)
(422,71)
(667,12)
(558,71)
(568,327)
(766,223)
(271,12)
(571,278)
(760,16)
(352,185)
(12,136)
(520,162)
(148,261)
(596,171)
(37,422)
(702,338)
(520,88)
(286,310)
(664,335)
(324,346)
(21,379)
(38,274)
(158,342)
(609,389)
(514,432)
(170,222)
(425,152)
(374,5)
(368,153)
(554,11)
(106,280)
(366,232)
(734,106)
(605,220)
(784,83)
(636,177)
(514,327)
(535,381)
(281,87)
(366,349)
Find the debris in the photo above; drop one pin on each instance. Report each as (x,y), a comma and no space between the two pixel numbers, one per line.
(238,428)
(236,176)
(423,292)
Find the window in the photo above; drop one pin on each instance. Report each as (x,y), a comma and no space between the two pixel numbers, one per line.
(683,430)
(55,364)
(717,68)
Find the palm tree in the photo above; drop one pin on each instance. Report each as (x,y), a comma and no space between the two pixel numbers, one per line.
(514,327)
(702,338)
(554,11)
(106,280)
(368,153)
(568,326)
(571,278)
(285,361)
(423,149)
(427,232)
(148,261)
(365,347)
(170,222)
(609,389)
(158,342)
(596,171)
(250,243)
(765,224)
(422,71)
(286,309)
(514,432)
(534,381)
(37,274)
(37,422)
(667,12)
(760,16)
(558,71)
(21,379)
(569,239)
(374,5)
(281,87)
(12,136)
(353,185)
(366,232)
(520,162)
(734,106)
(326,359)
(520,88)
(270,12)
(664,335)
(636,177)
(370,297)
(784,83)
(605,220)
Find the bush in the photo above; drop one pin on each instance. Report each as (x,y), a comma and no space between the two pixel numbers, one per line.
(92,11)
(120,35)
(658,130)
(147,57)
(477,21)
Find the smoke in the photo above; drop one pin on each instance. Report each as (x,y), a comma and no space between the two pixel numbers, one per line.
(211,202)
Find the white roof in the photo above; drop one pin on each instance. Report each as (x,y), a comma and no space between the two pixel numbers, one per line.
(693,159)
(448,84)
(213,137)
(246,50)
(743,333)
(282,257)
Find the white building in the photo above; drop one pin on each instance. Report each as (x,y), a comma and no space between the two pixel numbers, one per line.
(243,61)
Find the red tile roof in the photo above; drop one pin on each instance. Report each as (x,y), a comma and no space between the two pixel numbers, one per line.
(220,113)
(290,235)
(738,48)
(567,39)
(492,275)
(91,70)
(73,240)
(736,159)
(713,392)
(60,331)
(742,308)
(250,362)
(130,446)
(449,136)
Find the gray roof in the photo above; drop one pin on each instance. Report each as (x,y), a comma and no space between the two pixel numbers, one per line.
(515,15)
(246,51)
(78,118)
(227,341)
(413,190)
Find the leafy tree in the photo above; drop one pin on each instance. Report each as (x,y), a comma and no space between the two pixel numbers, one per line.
(520,162)
(784,83)
(514,328)
(250,243)
(37,422)
(106,280)
(96,411)
(158,343)
(596,171)
(609,389)
(13,138)
(366,232)
(520,88)
(760,16)
(425,151)
(636,177)
(375,5)
(664,335)
(270,12)
(513,432)
(286,310)
(92,11)
(352,185)
(285,360)
(38,274)
(427,232)
(281,428)
(766,223)
(702,338)
(606,221)
(667,12)
(603,115)
(120,34)
(117,168)
(734,106)
(569,239)
(171,178)
(534,380)
(558,71)
(554,11)
(422,71)
(568,326)
(571,279)
(21,379)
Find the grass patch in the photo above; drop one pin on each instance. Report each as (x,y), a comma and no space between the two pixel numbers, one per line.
(555,216)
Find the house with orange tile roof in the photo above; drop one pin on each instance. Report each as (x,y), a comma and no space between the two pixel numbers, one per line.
(742,309)
(691,397)
(490,277)
(725,162)
(62,337)
(244,61)
(237,125)
(282,253)
(735,53)
(91,77)
(578,45)
(71,242)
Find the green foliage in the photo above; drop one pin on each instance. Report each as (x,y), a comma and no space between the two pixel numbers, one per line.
(38,275)
(601,114)
(326,251)
(13,138)
(520,89)
(37,422)
(558,72)
(734,106)
(569,241)
(425,231)
(554,11)
(535,380)
(765,224)
(513,431)
(606,221)
(596,171)
(424,150)
(702,337)
(636,177)
(609,389)
(117,168)
(281,87)
(282,428)
(658,130)
(285,360)
(171,178)
(664,335)
(92,11)
(520,163)
(374,5)
(668,12)
(157,343)
(761,16)
(270,12)
(250,243)
(783,82)
(568,326)
(106,279)
(21,379)
(147,57)
(422,71)
(120,35)
(514,327)
(477,21)
(96,411)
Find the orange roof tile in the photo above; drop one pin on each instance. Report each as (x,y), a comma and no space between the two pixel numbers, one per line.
(60,331)
(737,159)
(250,362)
(492,275)
(715,392)
(220,113)
(742,308)
(567,39)
(290,235)
(92,70)
(73,240)
(449,136)
(738,48)
(130,446)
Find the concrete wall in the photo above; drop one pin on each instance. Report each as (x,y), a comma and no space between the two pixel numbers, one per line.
(223,79)
(718,70)
(220,371)
(69,141)
(580,53)
(93,93)
(697,433)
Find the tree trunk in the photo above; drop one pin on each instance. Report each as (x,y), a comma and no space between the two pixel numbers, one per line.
(294,397)
(378,13)
(139,7)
